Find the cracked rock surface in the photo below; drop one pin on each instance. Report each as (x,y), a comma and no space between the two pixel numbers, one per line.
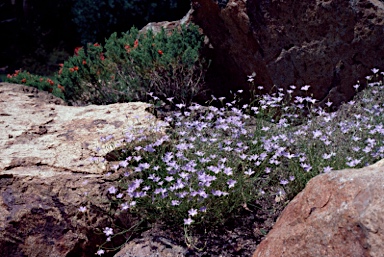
(46,175)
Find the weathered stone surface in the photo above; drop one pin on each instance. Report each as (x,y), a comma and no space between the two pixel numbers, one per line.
(340,213)
(151,246)
(46,175)
(168,26)
(37,134)
(328,44)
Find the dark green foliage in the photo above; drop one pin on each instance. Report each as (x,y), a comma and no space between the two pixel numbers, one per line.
(134,65)
(167,65)
(85,77)
(42,83)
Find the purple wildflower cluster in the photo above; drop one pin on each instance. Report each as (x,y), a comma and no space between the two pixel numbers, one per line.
(215,155)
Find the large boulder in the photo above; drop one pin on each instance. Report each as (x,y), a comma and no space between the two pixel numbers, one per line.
(168,26)
(340,213)
(46,174)
(328,44)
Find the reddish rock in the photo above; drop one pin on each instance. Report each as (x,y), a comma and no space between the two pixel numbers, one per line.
(328,44)
(340,213)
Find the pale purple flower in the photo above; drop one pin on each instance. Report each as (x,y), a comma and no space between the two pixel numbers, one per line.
(284,182)
(356,148)
(328,103)
(327,156)
(83,209)
(327,169)
(317,133)
(112,190)
(124,206)
(108,231)
(353,163)
(290,155)
(100,252)
(169,178)
(214,169)
(192,212)
(149,148)
(188,221)
(123,164)
(180,105)
(175,202)
(228,171)
(305,88)
(217,192)
(374,70)
(265,128)
(306,166)
(249,172)
(231,183)
(144,166)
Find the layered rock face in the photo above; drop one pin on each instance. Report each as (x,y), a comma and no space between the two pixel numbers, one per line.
(46,174)
(328,44)
(338,214)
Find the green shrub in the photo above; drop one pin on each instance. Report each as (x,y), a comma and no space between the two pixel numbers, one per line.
(42,83)
(167,65)
(86,77)
(134,65)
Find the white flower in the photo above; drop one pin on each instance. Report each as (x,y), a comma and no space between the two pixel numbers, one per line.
(108,231)
(83,209)
(188,221)
(374,70)
(100,252)
(192,212)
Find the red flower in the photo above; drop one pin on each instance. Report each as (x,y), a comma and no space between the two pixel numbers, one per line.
(127,48)
(136,44)
(84,62)
(50,81)
(77,49)
(96,44)
(76,68)
(23,80)
(102,57)
(160,52)
(60,87)
(9,76)
(71,69)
